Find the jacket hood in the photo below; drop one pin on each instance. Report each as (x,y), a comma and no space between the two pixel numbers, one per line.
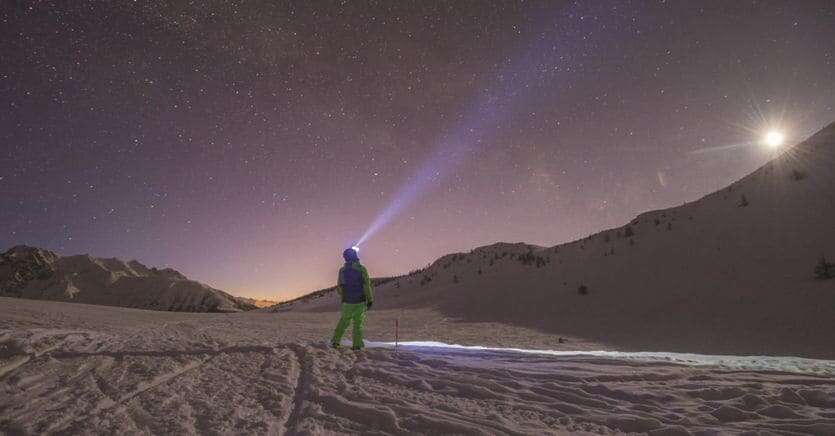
(350,255)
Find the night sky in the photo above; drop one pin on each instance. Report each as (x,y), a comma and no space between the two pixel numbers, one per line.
(246,143)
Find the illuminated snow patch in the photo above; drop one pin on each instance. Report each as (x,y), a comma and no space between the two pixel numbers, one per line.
(798,365)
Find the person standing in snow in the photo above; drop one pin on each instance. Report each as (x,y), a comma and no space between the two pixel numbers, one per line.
(357,295)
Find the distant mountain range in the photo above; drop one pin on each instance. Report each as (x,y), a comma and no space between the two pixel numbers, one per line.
(30,272)
(742,270)
(258,302)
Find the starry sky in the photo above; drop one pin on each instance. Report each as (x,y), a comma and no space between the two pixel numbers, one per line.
(246,143)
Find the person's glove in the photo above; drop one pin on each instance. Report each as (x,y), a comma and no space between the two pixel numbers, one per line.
(368,305)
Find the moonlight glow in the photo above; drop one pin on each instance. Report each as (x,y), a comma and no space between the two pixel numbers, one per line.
(774,139)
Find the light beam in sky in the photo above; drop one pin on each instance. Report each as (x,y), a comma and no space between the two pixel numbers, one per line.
(515,80)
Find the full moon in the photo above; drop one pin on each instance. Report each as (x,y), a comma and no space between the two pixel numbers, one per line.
(774,139)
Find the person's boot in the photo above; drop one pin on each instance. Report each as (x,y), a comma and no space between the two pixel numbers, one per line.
(335,345)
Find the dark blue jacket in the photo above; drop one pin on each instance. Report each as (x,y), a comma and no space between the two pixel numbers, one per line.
(354,285)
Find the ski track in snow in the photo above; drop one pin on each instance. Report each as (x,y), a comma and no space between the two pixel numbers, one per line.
(301,388)
(233,375)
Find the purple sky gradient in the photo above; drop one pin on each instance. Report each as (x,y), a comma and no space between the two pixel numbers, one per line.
(247,143)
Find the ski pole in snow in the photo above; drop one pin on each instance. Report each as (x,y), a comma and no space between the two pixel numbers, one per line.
(396,332)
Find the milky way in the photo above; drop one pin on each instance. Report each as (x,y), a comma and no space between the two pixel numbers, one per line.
(246,143)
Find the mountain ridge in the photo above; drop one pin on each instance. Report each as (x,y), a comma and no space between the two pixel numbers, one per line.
(36,273)
(731,272)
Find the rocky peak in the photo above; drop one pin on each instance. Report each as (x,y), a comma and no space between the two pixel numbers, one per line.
(23,252)
(21,264)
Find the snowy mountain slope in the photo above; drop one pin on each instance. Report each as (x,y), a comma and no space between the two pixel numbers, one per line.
(729,273)
(35,273)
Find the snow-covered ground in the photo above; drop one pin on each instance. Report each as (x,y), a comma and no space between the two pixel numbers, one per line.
(797,365)
(101,370)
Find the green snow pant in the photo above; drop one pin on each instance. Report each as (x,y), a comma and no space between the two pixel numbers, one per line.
(355,313)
